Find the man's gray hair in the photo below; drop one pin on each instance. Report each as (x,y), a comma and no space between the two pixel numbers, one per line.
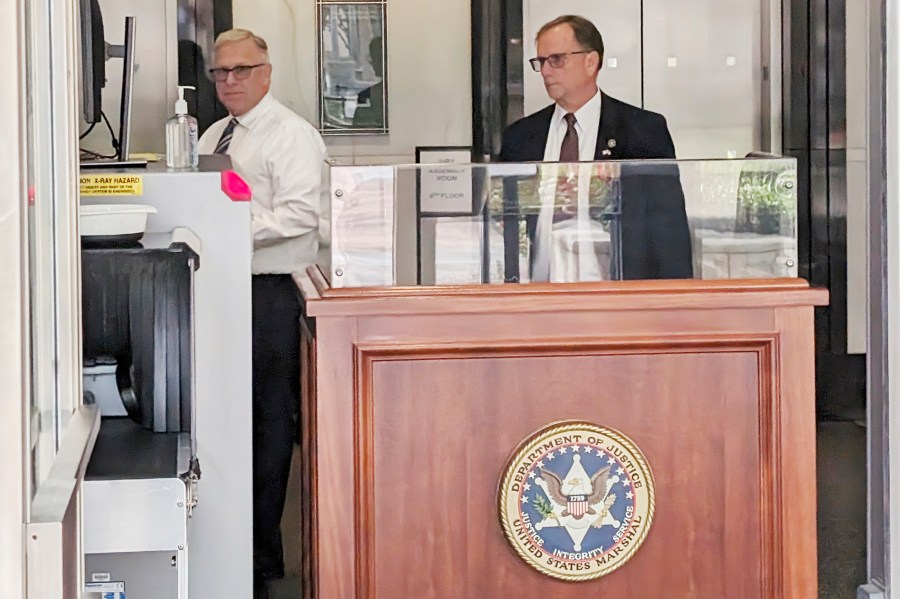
(239,35)
(586,33)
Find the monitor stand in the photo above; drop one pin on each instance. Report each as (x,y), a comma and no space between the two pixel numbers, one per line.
(122,159)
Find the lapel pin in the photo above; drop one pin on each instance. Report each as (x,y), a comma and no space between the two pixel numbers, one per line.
(611,144)
(605,153)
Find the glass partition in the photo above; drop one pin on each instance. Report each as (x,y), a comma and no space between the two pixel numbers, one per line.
(466,224)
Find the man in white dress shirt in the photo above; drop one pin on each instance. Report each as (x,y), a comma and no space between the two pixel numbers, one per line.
(282,158)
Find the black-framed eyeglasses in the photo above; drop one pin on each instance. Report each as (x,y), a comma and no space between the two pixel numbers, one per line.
(555,60)
(240,72)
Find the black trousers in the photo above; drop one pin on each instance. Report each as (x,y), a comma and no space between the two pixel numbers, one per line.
(276,394)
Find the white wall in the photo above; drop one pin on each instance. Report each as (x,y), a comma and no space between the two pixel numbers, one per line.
(659,53)
(619,24)
(155,78)
(429,73)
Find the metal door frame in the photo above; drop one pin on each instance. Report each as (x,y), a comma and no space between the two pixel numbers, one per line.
(38,179)
(890,414)
(13,339)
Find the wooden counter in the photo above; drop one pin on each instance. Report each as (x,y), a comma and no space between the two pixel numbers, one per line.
(418,397)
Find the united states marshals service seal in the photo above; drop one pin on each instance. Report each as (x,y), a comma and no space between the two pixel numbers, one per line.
(576,500)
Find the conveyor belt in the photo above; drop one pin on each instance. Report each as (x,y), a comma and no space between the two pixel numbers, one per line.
(124,450)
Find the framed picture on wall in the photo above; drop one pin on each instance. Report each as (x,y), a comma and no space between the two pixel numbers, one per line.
(352,75)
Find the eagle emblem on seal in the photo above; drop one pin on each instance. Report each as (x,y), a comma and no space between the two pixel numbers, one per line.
(578,505)
(578,502)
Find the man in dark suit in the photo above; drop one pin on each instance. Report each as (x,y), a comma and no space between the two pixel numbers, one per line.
(585,124)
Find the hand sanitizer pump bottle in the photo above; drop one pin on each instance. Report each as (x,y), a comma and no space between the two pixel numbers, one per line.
(181,135)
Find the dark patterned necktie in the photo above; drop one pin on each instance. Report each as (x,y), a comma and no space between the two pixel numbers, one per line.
(568,152)
(225,140)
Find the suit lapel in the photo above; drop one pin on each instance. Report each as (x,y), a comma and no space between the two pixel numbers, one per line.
(608,146)
(537,140)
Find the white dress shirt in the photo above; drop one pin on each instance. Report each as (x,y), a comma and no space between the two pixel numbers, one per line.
(283,159)
(587,124)
(565,252)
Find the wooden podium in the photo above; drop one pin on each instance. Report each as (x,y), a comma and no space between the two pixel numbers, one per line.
(419,397)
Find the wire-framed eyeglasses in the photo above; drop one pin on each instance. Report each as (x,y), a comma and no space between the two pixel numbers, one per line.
(554,60)
(240,72)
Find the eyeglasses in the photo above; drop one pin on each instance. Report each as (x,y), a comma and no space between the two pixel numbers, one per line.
(240,72)
(556,60)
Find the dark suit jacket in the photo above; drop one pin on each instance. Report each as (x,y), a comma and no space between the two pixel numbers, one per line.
(656,241)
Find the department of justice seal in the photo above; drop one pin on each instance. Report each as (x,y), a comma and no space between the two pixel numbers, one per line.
(576,500)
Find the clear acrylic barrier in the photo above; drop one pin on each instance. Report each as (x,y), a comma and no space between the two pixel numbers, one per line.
(465,224)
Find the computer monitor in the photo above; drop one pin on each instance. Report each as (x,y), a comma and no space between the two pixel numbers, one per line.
(94,54)
(93,59)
